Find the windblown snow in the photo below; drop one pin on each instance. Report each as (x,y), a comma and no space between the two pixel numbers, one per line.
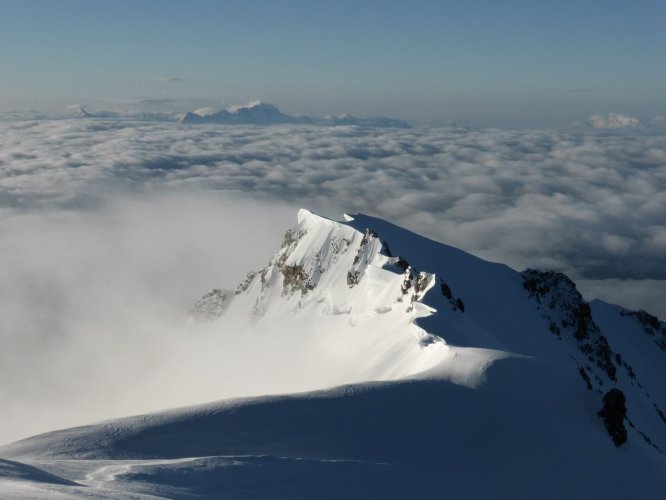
(425,373)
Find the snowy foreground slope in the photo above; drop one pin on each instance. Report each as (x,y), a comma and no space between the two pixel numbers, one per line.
(440,375)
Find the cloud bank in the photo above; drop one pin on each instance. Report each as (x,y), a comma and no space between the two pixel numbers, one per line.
(613,120)
(94,303)
(590,203)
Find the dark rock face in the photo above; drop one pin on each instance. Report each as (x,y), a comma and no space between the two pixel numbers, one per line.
(295,278)
(613,413)
(245,284)
(651,326)
(211,305)
(585,377)
(402,263)
(446,291)
(290,237)
(367,236)
(560,302)
(407,282)
(661,414)
(456,302)
(418,284)
(570,320)
(414,284)
(361,258)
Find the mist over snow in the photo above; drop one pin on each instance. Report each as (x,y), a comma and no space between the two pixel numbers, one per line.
(94,303)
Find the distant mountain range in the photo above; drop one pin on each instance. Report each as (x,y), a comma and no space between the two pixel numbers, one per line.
(79,111)
(261,113)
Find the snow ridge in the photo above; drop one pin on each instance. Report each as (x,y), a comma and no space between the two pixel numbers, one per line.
(347,269)
(337,278)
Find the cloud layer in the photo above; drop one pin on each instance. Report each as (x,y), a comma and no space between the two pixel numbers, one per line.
(613,120)
(93,305)
(590,203)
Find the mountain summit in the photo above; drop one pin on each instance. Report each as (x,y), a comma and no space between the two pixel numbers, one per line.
(413,370)
(254,113)
(261,113)
(399,305)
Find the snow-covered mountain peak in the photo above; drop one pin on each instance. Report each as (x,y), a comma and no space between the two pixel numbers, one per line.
(430,363)
(252,104)
(341,290)
(253,113)
(388,303)
(78,111)
(263,113)
(256,108)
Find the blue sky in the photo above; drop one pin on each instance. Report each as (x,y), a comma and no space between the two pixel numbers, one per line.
(479,62)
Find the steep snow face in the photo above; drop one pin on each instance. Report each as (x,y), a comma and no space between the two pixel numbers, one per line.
(365,300)
(339,298)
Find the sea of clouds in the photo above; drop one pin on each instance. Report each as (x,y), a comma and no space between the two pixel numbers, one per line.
(111,228)
(588,202)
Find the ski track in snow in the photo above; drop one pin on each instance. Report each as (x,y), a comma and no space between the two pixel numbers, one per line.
(116,479)
(100,478)
(106,474)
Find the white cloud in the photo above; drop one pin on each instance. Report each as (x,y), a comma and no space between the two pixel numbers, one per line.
(633,294)
(93,303)
(613,120)
(205,111)
(250,104)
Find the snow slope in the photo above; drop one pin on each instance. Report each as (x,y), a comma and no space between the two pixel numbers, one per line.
(452,377)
